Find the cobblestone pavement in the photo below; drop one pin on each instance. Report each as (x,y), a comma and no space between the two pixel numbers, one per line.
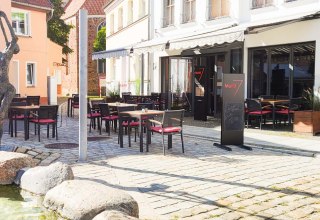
(204,183)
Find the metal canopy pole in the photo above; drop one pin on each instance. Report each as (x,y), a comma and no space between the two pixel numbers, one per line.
(83,81)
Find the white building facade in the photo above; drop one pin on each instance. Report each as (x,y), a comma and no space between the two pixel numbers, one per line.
(126,25)
(273,42)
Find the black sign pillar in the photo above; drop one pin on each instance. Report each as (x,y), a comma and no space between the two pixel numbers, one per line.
(232,117)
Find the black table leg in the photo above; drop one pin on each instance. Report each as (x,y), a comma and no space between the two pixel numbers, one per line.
(120,132)
(26,132)
(141,134)
(169,141)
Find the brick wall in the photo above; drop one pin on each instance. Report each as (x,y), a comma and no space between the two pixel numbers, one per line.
(93,77)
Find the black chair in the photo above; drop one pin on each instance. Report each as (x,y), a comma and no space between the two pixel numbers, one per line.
(17,95)
(14,116)
(282,97)
(141,106)
(107,117)
(46,115)
(266,97)
(33,100)
(74,103)
(92,115)
(128,122)
(125,96)
(254,109)
(287,111)
(171,124)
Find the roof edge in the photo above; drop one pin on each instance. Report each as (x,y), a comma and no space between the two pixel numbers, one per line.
(33,6)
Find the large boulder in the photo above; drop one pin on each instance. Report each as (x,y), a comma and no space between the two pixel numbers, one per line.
(84,199)
(11,163)
(41,179)
(113,215)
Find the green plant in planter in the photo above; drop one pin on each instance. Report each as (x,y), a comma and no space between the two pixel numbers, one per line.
(114,95)
(311,100)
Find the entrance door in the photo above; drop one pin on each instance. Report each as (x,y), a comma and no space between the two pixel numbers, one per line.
(219,68)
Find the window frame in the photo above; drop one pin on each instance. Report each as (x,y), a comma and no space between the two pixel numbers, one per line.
(187,6)
(264,5)
(34,74)
(27,21)
(168,13)
(130,12)
(120,18)
(210,12)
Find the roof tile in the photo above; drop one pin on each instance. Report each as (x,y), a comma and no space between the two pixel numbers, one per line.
(94,7)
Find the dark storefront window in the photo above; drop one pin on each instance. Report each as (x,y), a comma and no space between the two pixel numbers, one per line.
(282,70)
(236,61)
(303,68)
(259,72)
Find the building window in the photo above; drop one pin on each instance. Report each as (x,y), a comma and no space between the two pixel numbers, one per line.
(189,11)
(120,18)
(101,25)
(142,8)
(31,74)
(261,3)
(168,12)
(20,23)
(112,24)
(58,75)
(130,11)
(101,66)
(218,8)
(282,70)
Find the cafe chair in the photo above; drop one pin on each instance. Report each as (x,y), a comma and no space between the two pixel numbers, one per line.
(93,115)
(128,122)
(74,103)
(255,110)
(14,116)
(107,117)
(286,112)
(46,115)
(33,100)
(170,124)
(125,96)
(266,97)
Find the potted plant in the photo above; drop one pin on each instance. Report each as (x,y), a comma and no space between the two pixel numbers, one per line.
(113,96)
(308,120)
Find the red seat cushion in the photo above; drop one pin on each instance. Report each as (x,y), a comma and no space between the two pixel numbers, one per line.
(43,121)
(132,124)
(165,130)
(17,117)
(284,111)
(110,117)
(75,106)
(94,115)
(264,112)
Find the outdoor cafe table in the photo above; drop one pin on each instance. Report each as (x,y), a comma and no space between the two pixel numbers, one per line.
(26,110)
(139,114)
(120,104)
(274,102)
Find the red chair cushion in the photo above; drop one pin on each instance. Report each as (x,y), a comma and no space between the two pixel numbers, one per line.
(284,112)
(43,121)
(165,130)
(94,115)
(20,117)
(132,124)
(264,112)
(75,106)
(110,118)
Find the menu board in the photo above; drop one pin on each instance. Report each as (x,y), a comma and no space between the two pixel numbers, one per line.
(232,121)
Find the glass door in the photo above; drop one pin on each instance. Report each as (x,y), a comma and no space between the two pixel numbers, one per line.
(219,68)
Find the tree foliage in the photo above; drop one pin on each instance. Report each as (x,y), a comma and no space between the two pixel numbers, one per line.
(99,43)
(58,30)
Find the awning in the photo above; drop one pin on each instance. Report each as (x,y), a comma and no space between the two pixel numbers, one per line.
(267,24)
(227,35)
(119,52)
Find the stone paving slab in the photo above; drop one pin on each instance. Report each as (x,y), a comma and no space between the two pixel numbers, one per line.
(204,183)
